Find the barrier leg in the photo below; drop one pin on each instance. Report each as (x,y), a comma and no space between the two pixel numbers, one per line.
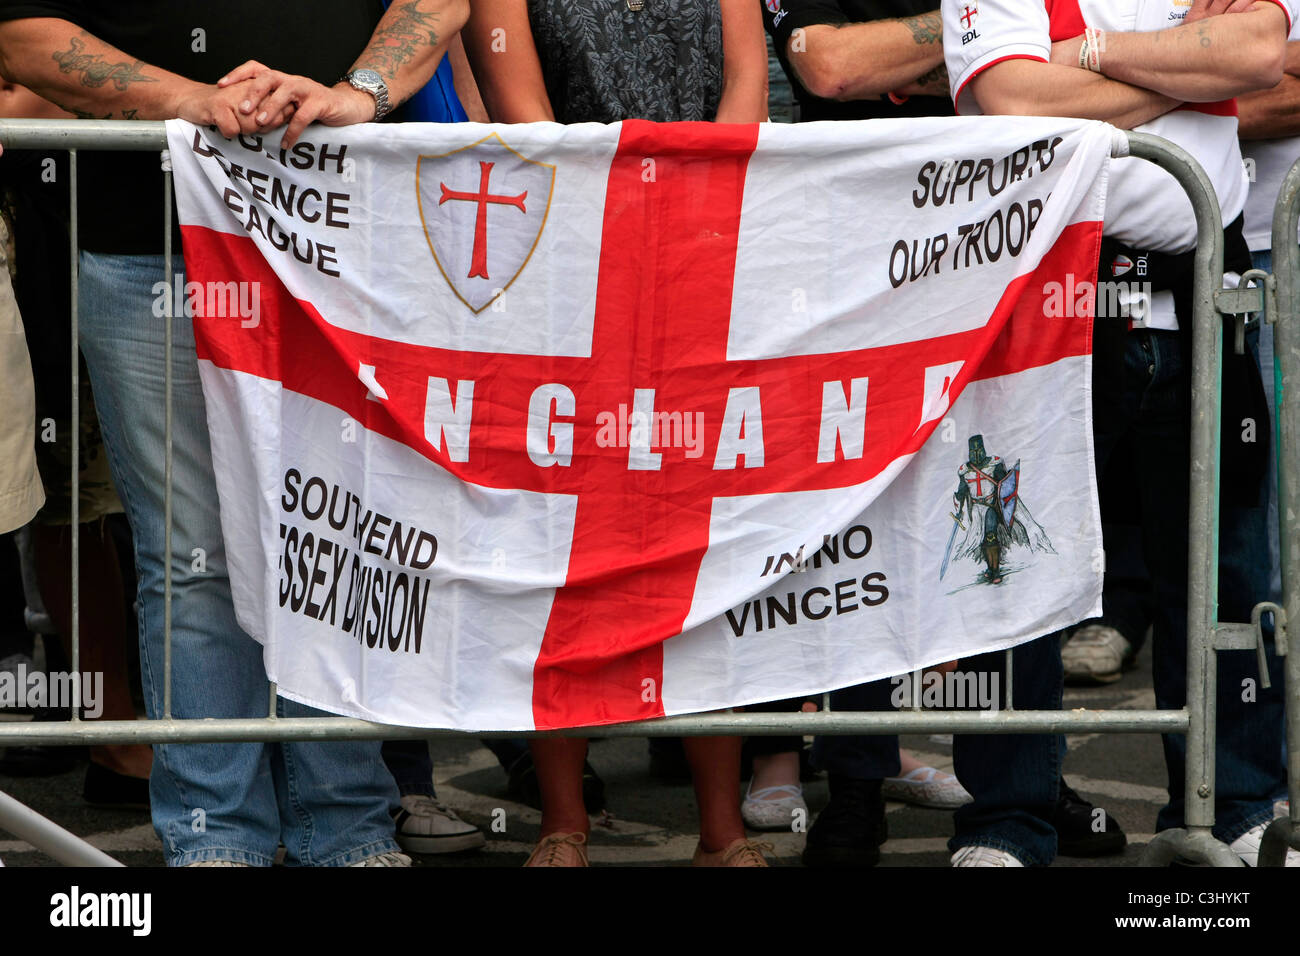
(1196,841)
(1285,831)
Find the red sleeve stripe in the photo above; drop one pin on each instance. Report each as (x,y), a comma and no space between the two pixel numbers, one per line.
(1217,108)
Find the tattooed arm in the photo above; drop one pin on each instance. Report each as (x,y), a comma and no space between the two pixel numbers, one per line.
(853,61)
(405,50)
(931,83)
(1205,59)
(94,80)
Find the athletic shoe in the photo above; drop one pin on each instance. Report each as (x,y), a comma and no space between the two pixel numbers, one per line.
(926,787)
(849,831)
(1082,829)
(560,849)
(385,859)
(1247,845)
(1096,654)
(762,810)
(426,826)
(740,852)
(984,856)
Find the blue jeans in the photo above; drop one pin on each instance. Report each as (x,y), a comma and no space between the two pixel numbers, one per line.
(1012,777)
(1152,405)
(327,802)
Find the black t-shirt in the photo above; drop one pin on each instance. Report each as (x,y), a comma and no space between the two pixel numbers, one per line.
(120,194)
(783,17)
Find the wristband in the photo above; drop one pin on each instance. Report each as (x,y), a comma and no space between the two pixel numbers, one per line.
(1093,42)
(897,98)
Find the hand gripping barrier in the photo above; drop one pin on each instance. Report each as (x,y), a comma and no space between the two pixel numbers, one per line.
(1206,634)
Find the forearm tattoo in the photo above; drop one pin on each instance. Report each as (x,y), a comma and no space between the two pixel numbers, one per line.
(95,71)
(398,40)
(934,80)
(926,29)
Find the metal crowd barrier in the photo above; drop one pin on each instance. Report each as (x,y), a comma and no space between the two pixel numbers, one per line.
(1206,634)
(1282,308)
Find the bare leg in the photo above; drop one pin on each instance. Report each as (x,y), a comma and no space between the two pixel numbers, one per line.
(715,772)
(558,762)
(775,770)
(102,624)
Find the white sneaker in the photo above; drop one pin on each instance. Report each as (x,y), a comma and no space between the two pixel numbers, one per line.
(384,859)
(983,856)
(762,810)
(1095,654)
(1246,846)
(426,826)
(926,787)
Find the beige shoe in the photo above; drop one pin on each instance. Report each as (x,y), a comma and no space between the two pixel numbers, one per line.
(741,852)
(385,859)
(560,849)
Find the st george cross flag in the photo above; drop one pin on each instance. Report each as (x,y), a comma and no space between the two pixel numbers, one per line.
(539,426)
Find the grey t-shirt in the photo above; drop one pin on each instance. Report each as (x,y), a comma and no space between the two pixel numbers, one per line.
(603,61)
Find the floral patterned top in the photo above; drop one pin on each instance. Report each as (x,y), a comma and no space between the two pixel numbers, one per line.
(605,60)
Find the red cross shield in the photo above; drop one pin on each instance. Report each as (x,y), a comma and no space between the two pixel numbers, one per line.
(483,208)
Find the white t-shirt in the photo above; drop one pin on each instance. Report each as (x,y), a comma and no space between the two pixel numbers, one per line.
(1272,159)
(1146,208)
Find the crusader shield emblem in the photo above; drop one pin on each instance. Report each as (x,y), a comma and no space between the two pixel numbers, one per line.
(483,208)
(1009,495)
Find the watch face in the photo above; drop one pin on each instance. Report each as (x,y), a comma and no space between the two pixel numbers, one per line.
(367,78)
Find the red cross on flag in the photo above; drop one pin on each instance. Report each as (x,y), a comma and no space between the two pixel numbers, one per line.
(538,426)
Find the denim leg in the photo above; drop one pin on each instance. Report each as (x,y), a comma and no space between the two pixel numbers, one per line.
(411,766)
(1248,768)
(334,798)
(209,801)
(864,756)
(1013,777)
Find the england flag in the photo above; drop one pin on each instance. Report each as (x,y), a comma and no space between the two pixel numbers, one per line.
(529,427)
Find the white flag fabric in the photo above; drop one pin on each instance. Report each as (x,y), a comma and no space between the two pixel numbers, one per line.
(527,427)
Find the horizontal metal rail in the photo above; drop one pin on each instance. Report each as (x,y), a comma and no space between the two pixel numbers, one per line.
(693,725)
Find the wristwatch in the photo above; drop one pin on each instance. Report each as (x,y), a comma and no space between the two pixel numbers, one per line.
(368,81)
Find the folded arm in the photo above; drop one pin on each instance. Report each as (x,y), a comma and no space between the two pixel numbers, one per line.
(1275,113)
(1033,88)
(1203,61)
(854,61)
